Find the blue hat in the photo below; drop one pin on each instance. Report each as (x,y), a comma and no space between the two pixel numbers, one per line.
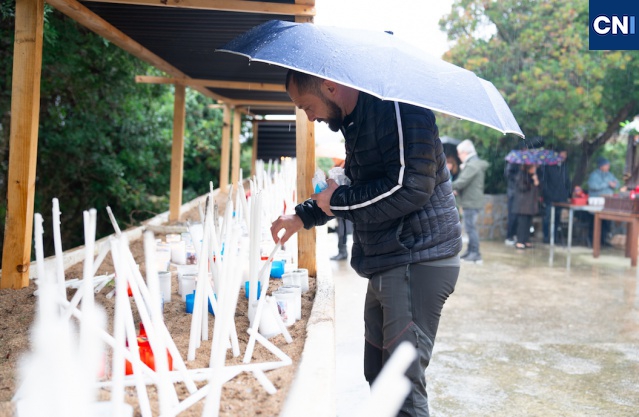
(601,161)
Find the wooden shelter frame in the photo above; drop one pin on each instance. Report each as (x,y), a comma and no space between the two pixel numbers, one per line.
(25,109)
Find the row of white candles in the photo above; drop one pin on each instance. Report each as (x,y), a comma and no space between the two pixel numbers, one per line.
(52,298)
(124,328)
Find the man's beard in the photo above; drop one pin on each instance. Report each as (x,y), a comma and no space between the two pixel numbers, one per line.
(334,119)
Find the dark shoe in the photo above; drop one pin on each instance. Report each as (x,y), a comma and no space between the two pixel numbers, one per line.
(339,257)
(473,258)
(464,256)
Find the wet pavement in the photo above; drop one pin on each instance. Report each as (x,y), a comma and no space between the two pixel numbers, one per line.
(521,336)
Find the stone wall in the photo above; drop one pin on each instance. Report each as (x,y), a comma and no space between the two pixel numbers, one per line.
(492,221)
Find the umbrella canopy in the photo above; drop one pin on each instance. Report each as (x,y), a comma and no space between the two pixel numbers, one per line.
(379,64)
(533,157)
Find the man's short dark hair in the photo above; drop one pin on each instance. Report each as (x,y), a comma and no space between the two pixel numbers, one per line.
(305,83)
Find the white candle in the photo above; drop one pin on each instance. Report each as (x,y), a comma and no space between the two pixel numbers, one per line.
(113,222)
(119,249)
(57,243)
(90,218)
(166,393)
(391,385)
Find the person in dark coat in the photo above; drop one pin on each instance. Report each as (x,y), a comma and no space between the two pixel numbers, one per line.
(555,187)
(510,172)
(406,229)
(526,203)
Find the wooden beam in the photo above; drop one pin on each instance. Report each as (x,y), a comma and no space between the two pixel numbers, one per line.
(304,18)
(23,143)
(177,153)
(241,6)
(237,148)
(261,103)
(226,151)
(305,155)
(231,85)
(92,21)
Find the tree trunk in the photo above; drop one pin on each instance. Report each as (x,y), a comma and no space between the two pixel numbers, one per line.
(588,148)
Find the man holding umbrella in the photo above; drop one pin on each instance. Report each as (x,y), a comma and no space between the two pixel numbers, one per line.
(406,230)
(380,92)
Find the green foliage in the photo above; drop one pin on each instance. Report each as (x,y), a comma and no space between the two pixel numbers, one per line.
(325,164)
(104,139)
(536,53)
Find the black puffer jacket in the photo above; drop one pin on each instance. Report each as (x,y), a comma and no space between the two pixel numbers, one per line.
(401,199)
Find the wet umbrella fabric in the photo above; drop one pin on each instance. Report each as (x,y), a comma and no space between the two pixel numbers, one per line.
(533,157)
(379,64)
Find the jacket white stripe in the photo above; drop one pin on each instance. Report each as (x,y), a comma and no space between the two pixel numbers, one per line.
(400,179)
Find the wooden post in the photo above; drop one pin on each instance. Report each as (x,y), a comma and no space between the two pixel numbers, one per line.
(23,143)
(305,154)
(177,153)
(237,149)
(226,142)
(255,141)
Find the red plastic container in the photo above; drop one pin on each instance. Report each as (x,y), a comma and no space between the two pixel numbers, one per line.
(579,201)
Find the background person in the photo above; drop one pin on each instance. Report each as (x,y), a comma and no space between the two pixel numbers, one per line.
(406,231)
(453,166)
(526,203)
(344,228)
(601,182)
(469,187)
(510,173)
(555,188)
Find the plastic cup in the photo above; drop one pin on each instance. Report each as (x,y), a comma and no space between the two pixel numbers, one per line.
(165,285)
(298,298)
(187,284)
(277,269)
(247,289)
(286,306)
(302,276)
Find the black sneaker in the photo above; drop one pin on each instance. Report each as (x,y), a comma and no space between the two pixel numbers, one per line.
(474,258)
(464,256)
(339,257)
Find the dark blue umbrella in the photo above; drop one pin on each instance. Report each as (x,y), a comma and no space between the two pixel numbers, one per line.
(534,157)
(380,64)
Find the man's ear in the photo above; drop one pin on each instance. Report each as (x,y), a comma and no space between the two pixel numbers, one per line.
(329,86)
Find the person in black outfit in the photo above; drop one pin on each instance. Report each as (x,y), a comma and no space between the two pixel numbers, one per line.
(555,187)
(526,203)
(406,229)
(510,172)
(344,228)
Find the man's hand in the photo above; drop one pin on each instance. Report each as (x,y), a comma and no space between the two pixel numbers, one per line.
(323,199)
(291,224)
(613,184)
